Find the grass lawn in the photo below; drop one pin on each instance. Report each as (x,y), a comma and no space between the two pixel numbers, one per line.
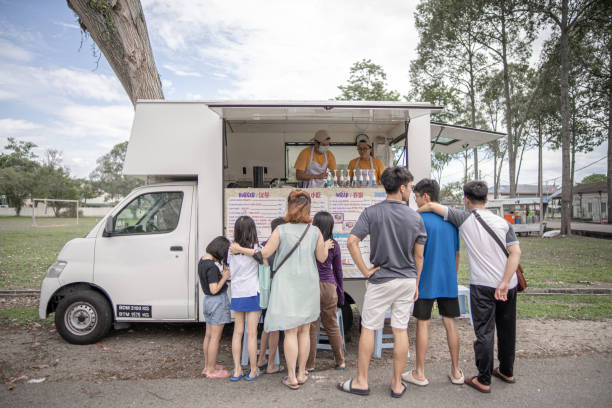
(559,262)
(26,253)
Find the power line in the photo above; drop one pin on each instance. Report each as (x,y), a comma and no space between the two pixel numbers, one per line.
(582,168)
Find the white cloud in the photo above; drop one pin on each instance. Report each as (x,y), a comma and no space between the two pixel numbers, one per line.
(13,52)
(109,124)
(27,83)
(9,127)
(181,71)
(67,25)
(286,49)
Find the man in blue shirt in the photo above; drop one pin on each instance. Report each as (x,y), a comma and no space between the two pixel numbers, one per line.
(438,282)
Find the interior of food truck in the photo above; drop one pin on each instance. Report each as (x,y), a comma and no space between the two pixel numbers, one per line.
(267,138)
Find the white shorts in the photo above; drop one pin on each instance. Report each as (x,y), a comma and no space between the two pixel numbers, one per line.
(397,294)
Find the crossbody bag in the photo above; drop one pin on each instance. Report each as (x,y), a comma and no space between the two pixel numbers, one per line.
(265,271)
(520,275)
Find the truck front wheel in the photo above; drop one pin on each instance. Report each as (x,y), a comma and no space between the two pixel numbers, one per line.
(83,317)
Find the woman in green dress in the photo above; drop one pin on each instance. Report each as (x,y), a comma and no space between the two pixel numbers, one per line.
(294,296)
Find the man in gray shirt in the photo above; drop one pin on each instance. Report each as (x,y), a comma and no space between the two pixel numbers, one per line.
(397,240)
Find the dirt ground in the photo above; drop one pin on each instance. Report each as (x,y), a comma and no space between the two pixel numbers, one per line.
(150,351)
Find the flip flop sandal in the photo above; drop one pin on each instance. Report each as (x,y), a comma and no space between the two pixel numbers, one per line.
(347,386)
(470,381)
(249,378)
(398,394)
(293,387)
(457,381)
(280,370)
(340,368)
(262,367)
(234,379)
(498,374)
(304,382)
(409,378)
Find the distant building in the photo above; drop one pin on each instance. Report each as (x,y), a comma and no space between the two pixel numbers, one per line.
(591,201)
(522,191)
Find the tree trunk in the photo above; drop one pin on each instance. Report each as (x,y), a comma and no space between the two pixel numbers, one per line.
(119,29)
(609,217)
(566,182)
(499,171)
(495,193)
(512,150)
(540,181)
(473,109)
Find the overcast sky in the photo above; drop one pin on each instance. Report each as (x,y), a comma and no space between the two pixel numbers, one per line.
(53,92)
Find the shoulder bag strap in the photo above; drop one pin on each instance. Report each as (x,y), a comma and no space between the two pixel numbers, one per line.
(297,244)
(490,231)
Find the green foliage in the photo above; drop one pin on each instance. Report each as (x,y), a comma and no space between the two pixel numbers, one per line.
(452,192)
(438,162)
(367,82)
(107,176)
(450,60)
(594,178)
(18,170)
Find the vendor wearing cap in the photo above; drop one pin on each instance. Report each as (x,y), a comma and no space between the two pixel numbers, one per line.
(365,160)
(313,162)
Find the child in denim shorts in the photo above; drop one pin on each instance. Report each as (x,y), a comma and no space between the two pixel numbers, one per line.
(216,303)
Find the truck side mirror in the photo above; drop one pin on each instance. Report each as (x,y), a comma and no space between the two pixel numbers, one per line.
(108,228)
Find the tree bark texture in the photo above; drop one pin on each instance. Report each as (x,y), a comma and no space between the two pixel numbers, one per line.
(119,29)
(566,183)
(610,135)
(511,145)
(473,109)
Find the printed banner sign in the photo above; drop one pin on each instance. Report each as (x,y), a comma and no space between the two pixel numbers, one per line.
(345,205)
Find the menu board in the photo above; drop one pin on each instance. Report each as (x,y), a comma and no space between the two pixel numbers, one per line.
(345,205)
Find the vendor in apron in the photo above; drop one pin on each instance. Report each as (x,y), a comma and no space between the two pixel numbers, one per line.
(365,160)
(313,162)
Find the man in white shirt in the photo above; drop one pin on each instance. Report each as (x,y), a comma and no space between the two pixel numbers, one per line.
(492,282)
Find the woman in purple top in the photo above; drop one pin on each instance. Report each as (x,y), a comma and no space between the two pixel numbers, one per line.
(332,295)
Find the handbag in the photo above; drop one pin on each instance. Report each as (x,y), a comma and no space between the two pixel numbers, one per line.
(520,274)
(265,271)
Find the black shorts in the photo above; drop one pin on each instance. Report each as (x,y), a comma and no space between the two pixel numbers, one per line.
(448,307)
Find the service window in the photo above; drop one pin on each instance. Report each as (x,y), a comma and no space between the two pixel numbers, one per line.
(343,152)
(150,213)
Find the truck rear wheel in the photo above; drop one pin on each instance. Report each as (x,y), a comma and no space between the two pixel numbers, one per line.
(83,317)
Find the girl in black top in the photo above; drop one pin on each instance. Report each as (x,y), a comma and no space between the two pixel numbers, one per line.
(216,303)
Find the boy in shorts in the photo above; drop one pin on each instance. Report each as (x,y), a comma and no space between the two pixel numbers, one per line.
(397,239)
(438,283)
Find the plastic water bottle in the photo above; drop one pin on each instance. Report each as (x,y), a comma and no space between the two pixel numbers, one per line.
(364,178)
(328,181)
(372,178)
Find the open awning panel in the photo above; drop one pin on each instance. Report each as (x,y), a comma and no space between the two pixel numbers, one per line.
(451,139)
(321,111)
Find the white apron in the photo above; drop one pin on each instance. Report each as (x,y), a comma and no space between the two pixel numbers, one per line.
(315,168)
(357,166)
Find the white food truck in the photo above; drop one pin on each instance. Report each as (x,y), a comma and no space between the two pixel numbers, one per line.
(139,264)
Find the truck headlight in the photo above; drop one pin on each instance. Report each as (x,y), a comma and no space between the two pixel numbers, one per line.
(56,269)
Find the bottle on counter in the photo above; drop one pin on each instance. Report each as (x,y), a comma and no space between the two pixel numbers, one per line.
(328,180)
(342,179)
(354,180)
(372,178)
(364,178)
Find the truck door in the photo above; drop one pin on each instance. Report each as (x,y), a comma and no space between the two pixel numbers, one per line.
(143,264)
